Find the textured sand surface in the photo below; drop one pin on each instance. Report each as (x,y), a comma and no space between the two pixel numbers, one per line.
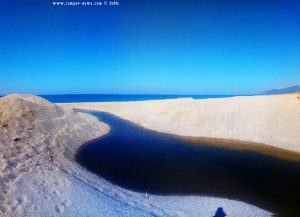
(39,177)
(271,120)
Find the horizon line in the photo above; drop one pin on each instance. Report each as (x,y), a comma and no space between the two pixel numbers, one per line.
(150,94)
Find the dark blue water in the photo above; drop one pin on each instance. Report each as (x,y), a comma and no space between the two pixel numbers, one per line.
(145,161)
(119,97)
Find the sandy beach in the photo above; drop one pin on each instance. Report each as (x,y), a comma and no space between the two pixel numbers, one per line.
(40,177)
(271,121)
(150,108)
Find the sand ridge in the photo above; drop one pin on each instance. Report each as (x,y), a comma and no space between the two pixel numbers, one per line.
(270,120)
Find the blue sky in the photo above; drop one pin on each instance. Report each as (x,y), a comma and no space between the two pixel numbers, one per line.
(159,47)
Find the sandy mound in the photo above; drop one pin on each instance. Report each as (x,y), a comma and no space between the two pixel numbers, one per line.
(37,138)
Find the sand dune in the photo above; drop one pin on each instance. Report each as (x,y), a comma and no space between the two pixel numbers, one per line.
(37,143)
(271,120)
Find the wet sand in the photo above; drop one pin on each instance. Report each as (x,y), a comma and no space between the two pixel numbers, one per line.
(245,146)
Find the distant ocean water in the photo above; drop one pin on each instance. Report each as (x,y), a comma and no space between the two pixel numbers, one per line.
(68,98)
(120,97)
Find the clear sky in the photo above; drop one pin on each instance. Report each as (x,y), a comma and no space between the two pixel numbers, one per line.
(159,47)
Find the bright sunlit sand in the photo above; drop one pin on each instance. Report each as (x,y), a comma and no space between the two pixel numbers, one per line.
(272,121)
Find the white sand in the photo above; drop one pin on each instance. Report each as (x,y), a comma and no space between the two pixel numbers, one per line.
(271,120)
(39,177)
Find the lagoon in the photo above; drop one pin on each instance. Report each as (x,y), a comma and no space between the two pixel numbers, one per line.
(146,161)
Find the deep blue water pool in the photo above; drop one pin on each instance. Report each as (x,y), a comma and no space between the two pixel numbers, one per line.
(145,161)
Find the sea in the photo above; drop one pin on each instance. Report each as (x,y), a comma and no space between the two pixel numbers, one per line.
(121,97)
